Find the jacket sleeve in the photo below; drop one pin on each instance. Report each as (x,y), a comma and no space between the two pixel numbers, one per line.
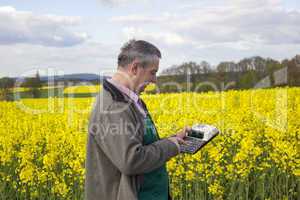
(117,136)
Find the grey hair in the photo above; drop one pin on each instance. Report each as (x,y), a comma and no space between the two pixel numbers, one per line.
(144,51)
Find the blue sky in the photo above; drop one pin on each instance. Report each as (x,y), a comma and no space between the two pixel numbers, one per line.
(76,36)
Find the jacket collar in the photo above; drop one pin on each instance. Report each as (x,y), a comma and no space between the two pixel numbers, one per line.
(116,94)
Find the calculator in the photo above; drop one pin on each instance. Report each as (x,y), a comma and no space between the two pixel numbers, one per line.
(198,137)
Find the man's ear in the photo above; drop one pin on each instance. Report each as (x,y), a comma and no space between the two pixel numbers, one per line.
(134,67)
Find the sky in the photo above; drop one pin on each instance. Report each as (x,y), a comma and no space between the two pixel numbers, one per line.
(86,36)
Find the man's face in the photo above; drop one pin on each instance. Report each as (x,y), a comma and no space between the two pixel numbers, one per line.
(146,75)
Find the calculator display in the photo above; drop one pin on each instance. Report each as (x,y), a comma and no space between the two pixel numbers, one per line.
(196,134)
(198,137)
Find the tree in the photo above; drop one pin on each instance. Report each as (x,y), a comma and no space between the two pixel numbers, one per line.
(34,84)
(293,67)
(188,68)
(6,85)
(248,80)
(227,67)
(205,67)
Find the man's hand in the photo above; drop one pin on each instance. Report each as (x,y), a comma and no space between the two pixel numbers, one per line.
(182,134)
(178,137)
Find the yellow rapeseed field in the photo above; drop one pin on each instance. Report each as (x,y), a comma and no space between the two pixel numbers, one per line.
(256,156)
(82,89)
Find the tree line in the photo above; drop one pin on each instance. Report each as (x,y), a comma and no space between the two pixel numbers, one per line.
(7,85)
(247,73)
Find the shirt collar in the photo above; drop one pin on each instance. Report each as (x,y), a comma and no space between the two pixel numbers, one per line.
(132,95)
(116,94)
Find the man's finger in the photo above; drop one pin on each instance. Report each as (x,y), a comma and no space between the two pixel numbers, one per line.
(181,141)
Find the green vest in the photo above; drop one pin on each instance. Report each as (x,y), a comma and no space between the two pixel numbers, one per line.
(156,183)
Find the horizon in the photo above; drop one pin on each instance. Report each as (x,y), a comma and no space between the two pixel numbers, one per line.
(50,72)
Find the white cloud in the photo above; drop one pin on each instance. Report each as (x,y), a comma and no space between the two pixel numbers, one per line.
(142,19)
(120,2)
(246,22)
(167,38)
(48,30)
(270,25)
(228,30)
(212,31)
(87,57)
(133,18)
(255,3)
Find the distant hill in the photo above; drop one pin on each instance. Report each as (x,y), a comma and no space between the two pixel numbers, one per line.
(73,77)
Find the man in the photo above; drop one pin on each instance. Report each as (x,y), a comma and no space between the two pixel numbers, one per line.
(126,159)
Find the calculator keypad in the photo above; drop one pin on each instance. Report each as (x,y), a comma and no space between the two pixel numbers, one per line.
(192,145)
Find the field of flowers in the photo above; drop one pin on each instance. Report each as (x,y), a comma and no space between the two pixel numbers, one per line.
(82,89)
(257,155)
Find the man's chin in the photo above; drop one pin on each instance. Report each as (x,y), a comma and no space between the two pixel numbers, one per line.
(142,89)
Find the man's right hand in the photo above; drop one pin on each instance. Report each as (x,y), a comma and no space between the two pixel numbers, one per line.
(178,137)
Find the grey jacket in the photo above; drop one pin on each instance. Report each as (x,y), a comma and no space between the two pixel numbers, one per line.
(116,158)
